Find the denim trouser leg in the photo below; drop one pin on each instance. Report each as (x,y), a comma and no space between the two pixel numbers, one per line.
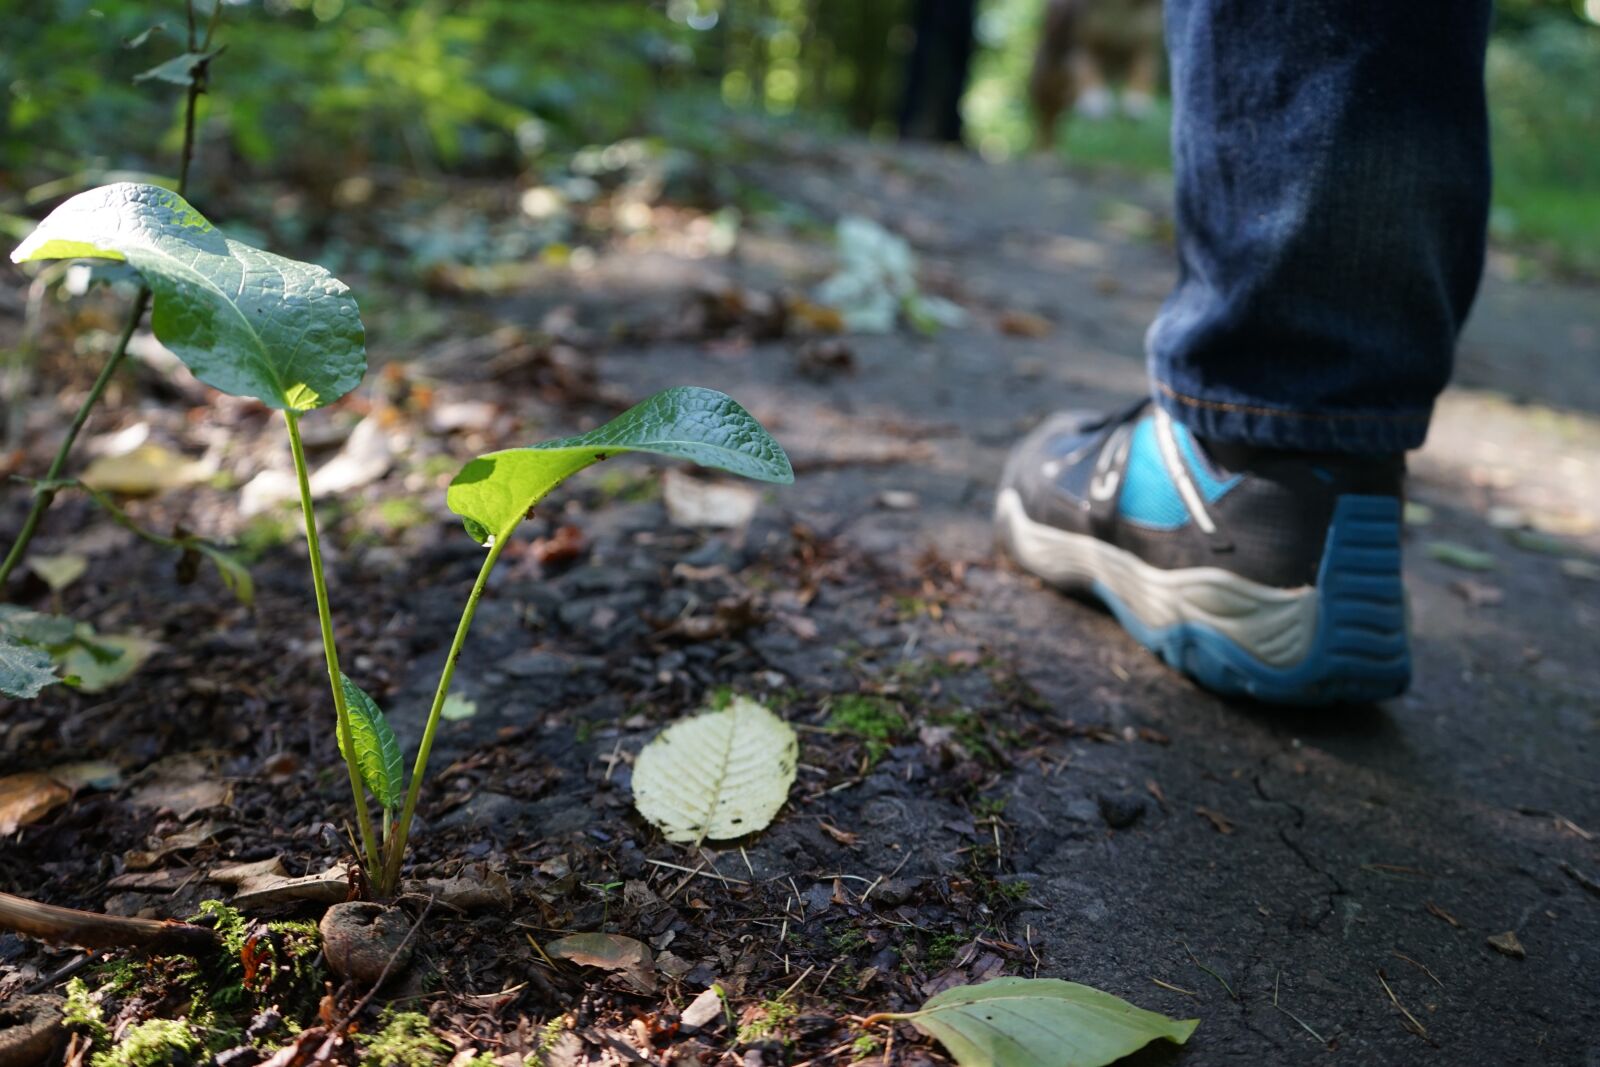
(1332,168)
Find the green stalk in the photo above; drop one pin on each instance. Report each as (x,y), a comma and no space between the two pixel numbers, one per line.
(43,498)
(397,846)
(320,585)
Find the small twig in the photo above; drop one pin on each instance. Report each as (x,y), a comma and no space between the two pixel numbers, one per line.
(88,929)
(698,871)
(1208,970)
(797,981)
(1415,1027)
(1420,966)
(62,973)
(1174,988)
(1303,1024)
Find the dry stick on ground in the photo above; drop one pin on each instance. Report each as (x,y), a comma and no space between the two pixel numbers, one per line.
(45,494)
(88,929)
(1415,1027)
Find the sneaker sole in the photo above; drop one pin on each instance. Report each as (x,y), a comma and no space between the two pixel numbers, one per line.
(1342,641)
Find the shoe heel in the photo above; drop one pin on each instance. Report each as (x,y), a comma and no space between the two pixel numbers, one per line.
(1361,652)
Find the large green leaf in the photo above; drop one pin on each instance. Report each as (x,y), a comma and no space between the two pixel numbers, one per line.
(24,669)
(377,749)
(493,492)
(245,321)
(1040,1022)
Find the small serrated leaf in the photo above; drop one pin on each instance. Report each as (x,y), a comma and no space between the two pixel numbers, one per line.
(718,775)
(493,492)
(1040,1022)
(377,754)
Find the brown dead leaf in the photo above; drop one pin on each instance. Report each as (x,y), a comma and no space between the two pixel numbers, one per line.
(1219,820)
(182,784)
(1017,323)
(28,797)
(563,546)
(610,952)
(1154,789)
(844,837)
(474,888)
(1507,944)
(266,883)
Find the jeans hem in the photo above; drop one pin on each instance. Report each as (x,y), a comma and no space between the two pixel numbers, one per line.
(1263,426)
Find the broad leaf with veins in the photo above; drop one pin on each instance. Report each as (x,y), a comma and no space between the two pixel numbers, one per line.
(245,321)
(493,492)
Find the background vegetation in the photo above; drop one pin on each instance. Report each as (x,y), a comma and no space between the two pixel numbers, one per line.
(314,90)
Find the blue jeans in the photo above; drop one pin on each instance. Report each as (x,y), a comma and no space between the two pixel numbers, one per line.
(1332,165)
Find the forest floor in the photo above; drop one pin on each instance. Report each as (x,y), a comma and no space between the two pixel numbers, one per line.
(994,778)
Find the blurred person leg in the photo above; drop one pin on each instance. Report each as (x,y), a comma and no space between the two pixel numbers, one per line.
(1332,194)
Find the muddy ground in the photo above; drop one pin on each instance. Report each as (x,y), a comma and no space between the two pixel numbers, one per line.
(994,779)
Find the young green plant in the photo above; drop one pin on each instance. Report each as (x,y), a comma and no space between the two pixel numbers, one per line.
(245,322)
(253,324)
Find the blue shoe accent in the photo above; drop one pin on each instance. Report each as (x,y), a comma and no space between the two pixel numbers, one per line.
(1361,652)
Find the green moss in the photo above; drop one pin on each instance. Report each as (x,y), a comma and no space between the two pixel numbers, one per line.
(402,513)
(942,949)
(153,1043)
(848,941)
(406,1040)
(264,533)
(82,1012)
(876,720)
(774,1016)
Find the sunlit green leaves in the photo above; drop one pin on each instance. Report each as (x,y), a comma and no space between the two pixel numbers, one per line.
(1040,1022)
(245,321)
(493,492)
(377,750)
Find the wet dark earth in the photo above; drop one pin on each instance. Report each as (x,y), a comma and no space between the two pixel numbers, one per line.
(994,779)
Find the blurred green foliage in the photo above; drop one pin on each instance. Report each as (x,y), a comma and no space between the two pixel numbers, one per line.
(319,90)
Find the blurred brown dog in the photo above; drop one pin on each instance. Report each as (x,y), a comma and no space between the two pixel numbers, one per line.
(1086,47)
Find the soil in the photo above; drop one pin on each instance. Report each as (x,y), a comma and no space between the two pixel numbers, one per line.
(1039,796)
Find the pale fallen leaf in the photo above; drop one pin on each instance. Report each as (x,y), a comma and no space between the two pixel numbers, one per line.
(717,775)
(1508,944)
(364,459)
(610,952)
(146,470)
(58,572)
(456,708)
(695,502)
(1586,569)
(266,491)
(702,1010)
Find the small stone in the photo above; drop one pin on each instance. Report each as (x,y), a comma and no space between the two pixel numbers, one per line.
(1121,810)
(360,938)
(1508,944)
(895,891)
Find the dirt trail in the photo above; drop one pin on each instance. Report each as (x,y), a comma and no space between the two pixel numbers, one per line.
(1345,849)
(1317,888)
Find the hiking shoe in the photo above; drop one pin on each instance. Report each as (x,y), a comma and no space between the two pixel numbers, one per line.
(1273,575)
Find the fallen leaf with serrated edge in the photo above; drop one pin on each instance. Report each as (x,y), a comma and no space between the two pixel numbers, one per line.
(717,775)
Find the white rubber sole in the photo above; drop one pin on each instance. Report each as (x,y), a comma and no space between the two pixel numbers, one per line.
(1276,626)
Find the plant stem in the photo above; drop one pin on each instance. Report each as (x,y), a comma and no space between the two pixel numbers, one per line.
(397,846)
(335,679)
(43,498)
